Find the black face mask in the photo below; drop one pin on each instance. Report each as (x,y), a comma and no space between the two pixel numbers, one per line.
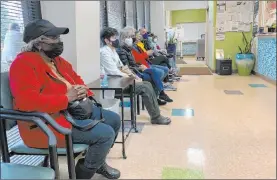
(134,39)
(115,43)
(56,50)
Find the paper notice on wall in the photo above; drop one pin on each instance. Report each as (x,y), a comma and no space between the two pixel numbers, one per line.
(220,37)
(244,27)
(220,28)
(219,54)
(235,26)
(241,26)
(221,8)
(230,4)
(220,20)
(228,16)
(247,27)
(228,26)
(235,17)
(238,16)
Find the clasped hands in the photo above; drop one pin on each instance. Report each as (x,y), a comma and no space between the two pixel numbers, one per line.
(77,92)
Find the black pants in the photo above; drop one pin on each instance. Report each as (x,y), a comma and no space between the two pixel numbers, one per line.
(161,60)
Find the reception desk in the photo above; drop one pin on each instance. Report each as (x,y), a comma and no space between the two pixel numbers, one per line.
(266,56)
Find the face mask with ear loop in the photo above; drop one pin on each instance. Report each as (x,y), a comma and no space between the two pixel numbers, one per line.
(128,42)
(115,43)
(56,49)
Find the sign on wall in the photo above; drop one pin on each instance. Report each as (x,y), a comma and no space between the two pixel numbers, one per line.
(233,16)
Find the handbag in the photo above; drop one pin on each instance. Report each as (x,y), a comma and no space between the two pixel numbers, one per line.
(82,110)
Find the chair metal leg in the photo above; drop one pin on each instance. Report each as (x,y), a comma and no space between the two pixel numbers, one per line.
(138,105)
(142,105)
(70,157)
(46,162)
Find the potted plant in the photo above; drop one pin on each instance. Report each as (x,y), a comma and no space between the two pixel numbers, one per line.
(272,28)
(245,58)
(171,45)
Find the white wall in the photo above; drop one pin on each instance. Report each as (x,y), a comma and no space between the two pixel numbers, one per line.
(210,36)
(82,44)
(157,18)
(180,5)
(88,39)
(51,10)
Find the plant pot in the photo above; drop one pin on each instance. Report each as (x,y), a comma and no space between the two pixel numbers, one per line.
(171,48)
(245,64)
(271,29)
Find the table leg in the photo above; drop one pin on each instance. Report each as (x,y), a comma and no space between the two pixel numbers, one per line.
(122,125)
(134,108)
(103,94)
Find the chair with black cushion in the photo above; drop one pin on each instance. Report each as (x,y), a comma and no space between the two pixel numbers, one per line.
(20,171)
(20,148)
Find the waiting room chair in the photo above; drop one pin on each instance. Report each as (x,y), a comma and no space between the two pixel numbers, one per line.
(20,171)
(21,149)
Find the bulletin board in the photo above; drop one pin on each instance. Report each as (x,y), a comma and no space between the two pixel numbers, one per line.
(233,16)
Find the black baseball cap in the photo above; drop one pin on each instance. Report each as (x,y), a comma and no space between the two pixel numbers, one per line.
(40,27)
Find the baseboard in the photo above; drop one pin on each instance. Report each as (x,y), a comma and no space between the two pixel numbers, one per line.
(213,71)
(235,71)
(265,78)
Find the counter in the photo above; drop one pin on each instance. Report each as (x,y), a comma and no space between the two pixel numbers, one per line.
(266,56)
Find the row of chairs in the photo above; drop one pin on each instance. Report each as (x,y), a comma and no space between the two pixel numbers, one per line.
(33,163)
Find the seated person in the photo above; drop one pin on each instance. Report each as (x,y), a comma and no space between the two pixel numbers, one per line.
(146,44)
(112,65)
(158,51)
(145,39)
(142,57)
(159,62)
(41,80)
(148,74)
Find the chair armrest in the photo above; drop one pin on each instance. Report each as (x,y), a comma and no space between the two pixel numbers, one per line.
(52,141)
(46,117)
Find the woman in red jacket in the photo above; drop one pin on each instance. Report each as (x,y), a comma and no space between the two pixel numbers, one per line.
(41,80)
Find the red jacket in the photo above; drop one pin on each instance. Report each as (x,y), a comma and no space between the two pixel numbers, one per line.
(35,87)
(140,56)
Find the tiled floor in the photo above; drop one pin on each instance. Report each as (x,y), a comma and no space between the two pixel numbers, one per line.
(229,136)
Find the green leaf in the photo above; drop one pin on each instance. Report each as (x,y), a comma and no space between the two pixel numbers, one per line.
(240,49)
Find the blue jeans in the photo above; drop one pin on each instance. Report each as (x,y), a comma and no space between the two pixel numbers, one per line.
(164,70)
(155,77)
(100,138)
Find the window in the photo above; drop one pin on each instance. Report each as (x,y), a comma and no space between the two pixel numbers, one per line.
(103,14)
(115,11)
(14,16)
(140,14)
(130,15)
(147,15)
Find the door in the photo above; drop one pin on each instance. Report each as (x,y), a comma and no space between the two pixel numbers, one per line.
(207,38)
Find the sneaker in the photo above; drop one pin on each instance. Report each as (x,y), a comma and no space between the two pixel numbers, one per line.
(161,120)
(176,78)
(165,98)
(161,102)
(169,87)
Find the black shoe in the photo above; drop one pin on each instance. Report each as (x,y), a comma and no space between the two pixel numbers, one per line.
(165,98)
(108,172)
(82,172)
(161,102)
(161,120)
